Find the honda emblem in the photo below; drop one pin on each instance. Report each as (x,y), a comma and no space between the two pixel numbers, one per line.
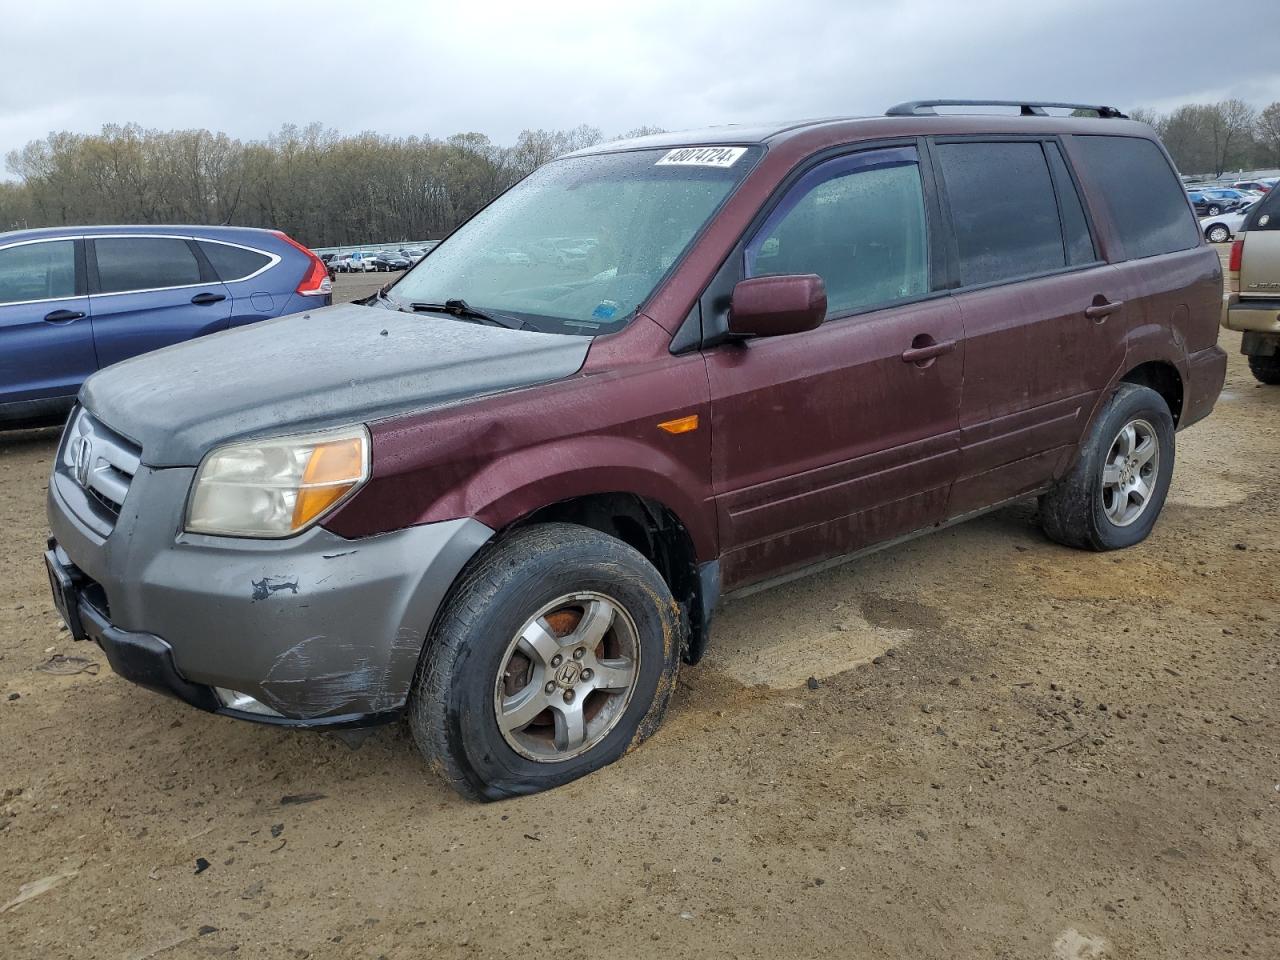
(81,459)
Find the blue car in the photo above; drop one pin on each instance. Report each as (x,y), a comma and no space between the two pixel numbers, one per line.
(1209,202)
(76,299)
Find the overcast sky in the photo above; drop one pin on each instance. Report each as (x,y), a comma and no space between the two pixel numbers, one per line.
(402,67)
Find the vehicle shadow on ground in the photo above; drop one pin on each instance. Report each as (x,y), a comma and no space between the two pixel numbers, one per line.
(20,440)
(833,622)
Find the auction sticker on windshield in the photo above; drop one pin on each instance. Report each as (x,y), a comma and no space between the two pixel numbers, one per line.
(701,157)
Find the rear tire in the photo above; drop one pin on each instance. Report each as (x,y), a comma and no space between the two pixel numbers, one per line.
(1214,211)
(1266,369)
(1113,495)
(554,656)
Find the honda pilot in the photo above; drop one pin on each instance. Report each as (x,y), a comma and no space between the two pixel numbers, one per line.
(504,496)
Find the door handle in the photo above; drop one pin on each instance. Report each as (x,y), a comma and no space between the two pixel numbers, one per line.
(924,348)
(62,316)
(1102,308)
(201,299)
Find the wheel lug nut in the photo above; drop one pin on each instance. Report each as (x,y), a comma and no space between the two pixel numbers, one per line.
(550,687)
(579,653)
(557,660)
(568,696)
(587,674)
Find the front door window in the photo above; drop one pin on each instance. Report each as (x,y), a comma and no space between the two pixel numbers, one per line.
(858,222)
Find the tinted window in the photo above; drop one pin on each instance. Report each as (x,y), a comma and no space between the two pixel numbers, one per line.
(857,222)
(144,263)
(1265,214)
(38,271)
(1003,210)
(1143,194)
(233,263)
(1075,229)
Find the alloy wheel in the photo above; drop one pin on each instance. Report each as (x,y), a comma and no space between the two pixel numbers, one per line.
(566,678)
(1129,472)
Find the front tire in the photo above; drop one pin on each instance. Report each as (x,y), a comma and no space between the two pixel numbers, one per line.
(1217,234)
(1215,210)
(1113,495)
(555,655)
(1265,369)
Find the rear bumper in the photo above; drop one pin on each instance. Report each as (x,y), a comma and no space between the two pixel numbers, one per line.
(1258,316)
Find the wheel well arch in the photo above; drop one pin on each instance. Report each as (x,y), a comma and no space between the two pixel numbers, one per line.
(658,533)
(1164,379)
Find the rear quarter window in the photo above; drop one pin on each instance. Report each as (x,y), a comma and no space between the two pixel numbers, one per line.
(1147,203)
(1266,215)
(233,263)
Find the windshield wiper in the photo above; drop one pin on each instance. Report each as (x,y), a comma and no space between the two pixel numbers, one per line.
(457,307)
(379,297)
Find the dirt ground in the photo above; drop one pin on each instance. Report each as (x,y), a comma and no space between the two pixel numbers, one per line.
(1014,750)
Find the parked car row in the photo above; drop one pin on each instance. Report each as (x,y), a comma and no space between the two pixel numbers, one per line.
(374,261)
(1210,200)
(1210,203)
(554,251)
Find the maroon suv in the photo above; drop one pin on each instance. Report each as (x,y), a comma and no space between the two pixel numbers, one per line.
(506,494)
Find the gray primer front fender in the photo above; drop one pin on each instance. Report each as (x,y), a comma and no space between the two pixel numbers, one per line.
(314,626)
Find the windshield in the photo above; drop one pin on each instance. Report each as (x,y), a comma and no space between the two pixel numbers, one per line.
(578,246)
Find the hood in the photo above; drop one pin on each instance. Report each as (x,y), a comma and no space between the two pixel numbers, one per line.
(331,366)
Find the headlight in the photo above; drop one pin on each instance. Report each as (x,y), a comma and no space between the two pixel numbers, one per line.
(277,487)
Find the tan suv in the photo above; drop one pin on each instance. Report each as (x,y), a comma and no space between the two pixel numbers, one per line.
(1253,306)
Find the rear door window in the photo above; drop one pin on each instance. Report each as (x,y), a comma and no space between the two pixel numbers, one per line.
(233,263)
(1003,210)
(144,263)
(856,221)
(1145,197)
(38,271)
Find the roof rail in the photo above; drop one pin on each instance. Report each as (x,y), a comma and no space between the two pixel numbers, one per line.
(1026,108)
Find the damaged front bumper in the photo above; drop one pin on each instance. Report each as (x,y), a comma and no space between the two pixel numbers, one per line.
(317,630)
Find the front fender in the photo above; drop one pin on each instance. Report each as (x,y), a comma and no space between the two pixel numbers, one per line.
(517,484)
(500,459)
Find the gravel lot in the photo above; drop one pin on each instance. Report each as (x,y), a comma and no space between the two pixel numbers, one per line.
(1013,750)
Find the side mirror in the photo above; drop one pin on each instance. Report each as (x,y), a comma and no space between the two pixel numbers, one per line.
(773,306)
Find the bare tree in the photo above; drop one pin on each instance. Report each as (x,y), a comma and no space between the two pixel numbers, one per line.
(1267,133)
(1230,127)
(328,189)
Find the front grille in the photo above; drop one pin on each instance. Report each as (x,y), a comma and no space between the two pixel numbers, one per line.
(98,463)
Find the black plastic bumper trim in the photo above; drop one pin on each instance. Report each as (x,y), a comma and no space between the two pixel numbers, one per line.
(346,721)
(146,660)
